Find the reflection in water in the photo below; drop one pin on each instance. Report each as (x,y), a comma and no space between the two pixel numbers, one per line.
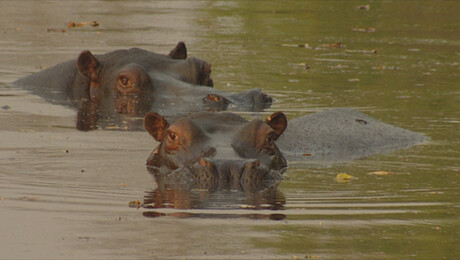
(153,214)
(128,114)
(216,199)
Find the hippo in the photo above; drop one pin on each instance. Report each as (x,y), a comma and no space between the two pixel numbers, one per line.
(341,135)
(220,160)
(222,148)
(217,149)
(109,88)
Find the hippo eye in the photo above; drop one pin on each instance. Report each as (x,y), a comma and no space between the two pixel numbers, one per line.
(124,80)
(173,143)
(172,136)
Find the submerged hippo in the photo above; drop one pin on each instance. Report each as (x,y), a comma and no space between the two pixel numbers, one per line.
(133,82)
(217,149)
(220,148)
(340,135)
(220,160)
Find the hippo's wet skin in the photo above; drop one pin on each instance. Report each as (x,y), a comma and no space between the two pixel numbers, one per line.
(133,82)
(211,150)
(215,150)
(340,135)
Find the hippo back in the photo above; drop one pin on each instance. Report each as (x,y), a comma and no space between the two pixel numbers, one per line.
(342,134)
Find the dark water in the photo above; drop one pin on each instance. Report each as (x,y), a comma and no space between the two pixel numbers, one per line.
(65,194)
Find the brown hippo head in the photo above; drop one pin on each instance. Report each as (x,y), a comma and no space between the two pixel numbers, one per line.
(117,88)
(218,147)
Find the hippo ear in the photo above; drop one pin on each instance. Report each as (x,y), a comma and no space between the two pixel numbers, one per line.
(278,122)
(88,65)
(156,125)
(179,52)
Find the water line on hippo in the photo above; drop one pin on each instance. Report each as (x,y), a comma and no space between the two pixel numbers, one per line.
(122,85)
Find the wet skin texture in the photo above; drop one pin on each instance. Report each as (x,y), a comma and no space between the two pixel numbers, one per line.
(221,149)
(135,81)
(217,149)
(342,134)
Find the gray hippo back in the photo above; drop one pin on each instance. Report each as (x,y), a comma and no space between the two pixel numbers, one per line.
(341,134)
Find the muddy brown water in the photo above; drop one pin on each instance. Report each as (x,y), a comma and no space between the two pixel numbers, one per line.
(66,194)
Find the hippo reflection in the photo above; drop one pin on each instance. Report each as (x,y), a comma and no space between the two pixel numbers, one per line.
(170,193)
(215,149)
(177,190)
(133,82)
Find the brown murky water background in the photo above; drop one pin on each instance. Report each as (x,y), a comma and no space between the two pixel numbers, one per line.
(65,193)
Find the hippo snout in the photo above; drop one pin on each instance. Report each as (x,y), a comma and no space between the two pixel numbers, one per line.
(262,99)
(234,173)
(218,148)
(259,99)
(253,98)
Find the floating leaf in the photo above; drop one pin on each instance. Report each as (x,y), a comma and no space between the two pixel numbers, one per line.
(112,127)
(55,30)
(332,45)
(363,7)
(135,204)
(379,173)
(303,45)
(80,24)
(246,206)
(344,177)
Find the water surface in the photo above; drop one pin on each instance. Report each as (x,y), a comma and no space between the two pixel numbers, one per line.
(65,193)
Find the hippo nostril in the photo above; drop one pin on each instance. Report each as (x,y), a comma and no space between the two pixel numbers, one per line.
(207,163)
(203,162)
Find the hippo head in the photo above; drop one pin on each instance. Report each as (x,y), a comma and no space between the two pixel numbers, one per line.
(215,147)
(122,80)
